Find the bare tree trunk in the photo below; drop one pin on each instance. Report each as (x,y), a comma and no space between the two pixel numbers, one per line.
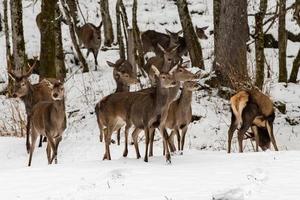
(6,30)
(119,31)
(231,54)
(259,44)
(295,69)
(73,13)
(282,42)
(48,39)
(217,9)
(190,36)
(19,54)
(73,37)
(296,15)
(1,28)
(107,24)
(139,54)
(59,53)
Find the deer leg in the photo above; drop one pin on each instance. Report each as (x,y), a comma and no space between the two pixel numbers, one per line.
(119,136)
(95,57)
(171,141)
(27,133)
(151,143)
(32,146)
(45,139)
(52,145)
(269,126)
(88,53)
(184,130)
(147,141)
(48,150)
(241,133)
(135,135)
(41,141)
(232,128)
(57,141)
(255,131)
(164,134)
(107,143)
(178,139)
(125,153)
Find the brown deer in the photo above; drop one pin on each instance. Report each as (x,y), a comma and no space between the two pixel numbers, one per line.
(48,118)
(89,36)
(180,114)
(116,110)
(28,93)
(124,76)
(251,109)
(201,32)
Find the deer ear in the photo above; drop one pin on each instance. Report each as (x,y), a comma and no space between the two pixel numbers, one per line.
(156,71)
(161,48)
(29,72)
(110,64)
(204,27)
(180,32)
(175,48)
(48,83)
(169,32)
(100,25)
(173,70)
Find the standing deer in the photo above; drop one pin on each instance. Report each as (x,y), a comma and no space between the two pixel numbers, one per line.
(124,76)
(251,108)
(180,114)
(48,118)
(116,110)
(89,36)
(29,94)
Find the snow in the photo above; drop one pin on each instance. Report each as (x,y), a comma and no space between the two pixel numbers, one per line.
(204,171)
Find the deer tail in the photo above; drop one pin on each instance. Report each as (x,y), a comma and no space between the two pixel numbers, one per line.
(238,103)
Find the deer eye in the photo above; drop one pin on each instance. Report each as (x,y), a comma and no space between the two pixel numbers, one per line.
(22,84)
(126,75)
(180,70)
(163,77)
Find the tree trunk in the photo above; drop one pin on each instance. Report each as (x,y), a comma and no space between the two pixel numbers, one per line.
(259,44)
(119,31)
(282,41)
(17,34)
(107,25)
(216,13)
(59,57)
(73,37)
(231,54)
(295,69)
(1,28)
(73,13)
(6,30)
(48,39)
(138,48)
(190,36)
(296,14)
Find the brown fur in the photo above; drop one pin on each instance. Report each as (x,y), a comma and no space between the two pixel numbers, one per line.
(264,102)
(238,103)
(201,32)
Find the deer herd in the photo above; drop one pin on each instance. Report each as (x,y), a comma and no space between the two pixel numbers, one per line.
(165,106)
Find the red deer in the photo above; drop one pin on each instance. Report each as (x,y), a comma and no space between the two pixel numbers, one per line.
(180,114)
(90,37)
(201,32)
(116,110)
(48,118)
(124,76)
(29,94)
(251,109)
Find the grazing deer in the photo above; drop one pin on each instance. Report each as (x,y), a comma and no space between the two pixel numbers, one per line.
(116,110)
(124,76)
(251,108)
(48,118)
(201,32)
(89,36)
(180,114)
(28,93)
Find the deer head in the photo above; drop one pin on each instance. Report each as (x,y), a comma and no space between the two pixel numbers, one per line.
(201,32)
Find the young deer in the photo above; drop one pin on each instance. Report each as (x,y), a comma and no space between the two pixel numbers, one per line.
(48,118)
(116,110)
(29,94)
(124,76)
(251,108)
(180,114)
(201,32)
(90,36)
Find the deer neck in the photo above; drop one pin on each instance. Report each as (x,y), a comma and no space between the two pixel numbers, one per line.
(121,87)
(28,99)
(174,91)
(162,97)
(185,98)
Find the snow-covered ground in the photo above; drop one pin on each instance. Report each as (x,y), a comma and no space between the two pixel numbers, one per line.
(197,174)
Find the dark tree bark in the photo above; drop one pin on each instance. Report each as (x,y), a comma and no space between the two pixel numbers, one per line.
(295,69)
(71,23)
(107,24)
(19,54)
(1,27)
(216,15)
(282,42)
(138,48)
(59,53)
(296,15)
(6,30)
(48,39)
(190,36)
(73,13)
(259,44)
(231,54)
(119,31)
